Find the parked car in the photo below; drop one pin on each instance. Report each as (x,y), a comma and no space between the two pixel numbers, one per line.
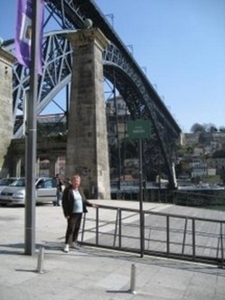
(4,182)
(45,191)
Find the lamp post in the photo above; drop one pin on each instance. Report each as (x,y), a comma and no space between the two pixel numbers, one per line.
(31,138)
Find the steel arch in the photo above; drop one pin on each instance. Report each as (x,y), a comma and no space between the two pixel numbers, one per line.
(144,101)
(57,62)
(119,67)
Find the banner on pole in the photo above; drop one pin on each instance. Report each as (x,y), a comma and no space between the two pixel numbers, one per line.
(24,33)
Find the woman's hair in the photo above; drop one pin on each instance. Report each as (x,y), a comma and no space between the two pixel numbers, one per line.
(76,176)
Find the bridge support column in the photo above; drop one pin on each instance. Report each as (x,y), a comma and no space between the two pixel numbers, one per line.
(6,116)
(87,143)
(38,167)
(54,166)
(17,163)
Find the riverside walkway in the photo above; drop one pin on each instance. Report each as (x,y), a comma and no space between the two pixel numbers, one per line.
(94,273)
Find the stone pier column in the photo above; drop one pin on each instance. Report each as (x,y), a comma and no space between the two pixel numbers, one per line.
(53,167)
(6,115)
(17,163)
(87,143)
(37,167)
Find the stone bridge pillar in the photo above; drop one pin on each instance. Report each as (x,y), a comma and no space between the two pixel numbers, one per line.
(53,167)
(6,115)
(17,163)
(87,143)
(37,166)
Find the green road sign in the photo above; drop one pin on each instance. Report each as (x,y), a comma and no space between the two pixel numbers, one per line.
(138,129)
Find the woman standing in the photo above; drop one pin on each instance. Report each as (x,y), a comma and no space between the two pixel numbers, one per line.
(74,205)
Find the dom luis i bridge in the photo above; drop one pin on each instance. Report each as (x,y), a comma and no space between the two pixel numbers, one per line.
(123,78)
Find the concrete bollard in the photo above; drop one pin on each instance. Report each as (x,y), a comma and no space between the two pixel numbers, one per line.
(133,279)
(40,260)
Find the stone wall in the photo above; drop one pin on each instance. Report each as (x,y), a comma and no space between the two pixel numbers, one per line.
(6,115)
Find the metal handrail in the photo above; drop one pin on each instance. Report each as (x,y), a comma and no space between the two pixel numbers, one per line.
(122,233)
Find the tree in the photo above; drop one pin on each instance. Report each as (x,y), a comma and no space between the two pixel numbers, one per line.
(197,128)
(219,154)
(222,129)
(211,128)
(207,127)
(189,150)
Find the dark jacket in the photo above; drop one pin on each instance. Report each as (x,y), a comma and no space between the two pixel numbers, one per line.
(68,200)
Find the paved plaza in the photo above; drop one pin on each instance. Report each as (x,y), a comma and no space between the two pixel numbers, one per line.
(93,273)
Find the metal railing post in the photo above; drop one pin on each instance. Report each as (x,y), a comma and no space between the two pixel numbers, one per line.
(168,234)
(185,232)
(120,228)
(83,227)
(116,226)
(221,239)
(193,238)
(97,226)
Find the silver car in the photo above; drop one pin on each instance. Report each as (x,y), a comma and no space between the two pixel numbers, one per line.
(45,191)
(4,182)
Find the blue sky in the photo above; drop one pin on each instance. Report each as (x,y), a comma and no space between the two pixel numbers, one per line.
(179,43)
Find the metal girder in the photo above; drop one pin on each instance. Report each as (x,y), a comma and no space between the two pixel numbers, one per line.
(119,67)
(57,62)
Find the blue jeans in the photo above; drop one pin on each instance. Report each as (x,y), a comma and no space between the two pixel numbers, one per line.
(58,198)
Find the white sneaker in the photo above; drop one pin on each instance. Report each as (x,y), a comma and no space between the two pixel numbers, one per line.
(66,248)
(75,245)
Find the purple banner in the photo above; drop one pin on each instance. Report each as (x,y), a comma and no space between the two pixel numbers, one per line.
(24,33)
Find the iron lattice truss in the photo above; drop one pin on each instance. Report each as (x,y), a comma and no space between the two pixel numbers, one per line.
(120,68)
